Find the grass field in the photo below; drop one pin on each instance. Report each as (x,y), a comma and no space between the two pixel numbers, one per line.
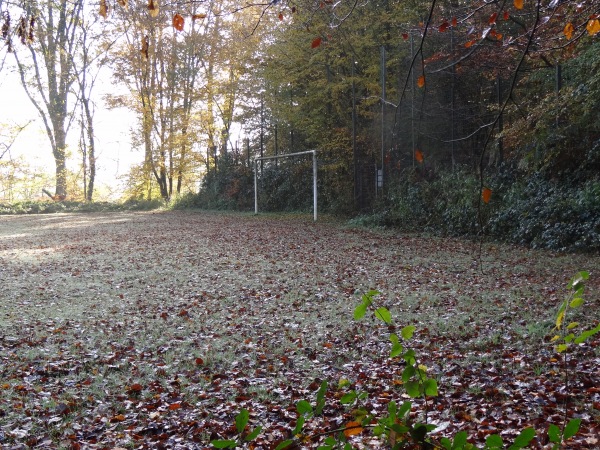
(153,329)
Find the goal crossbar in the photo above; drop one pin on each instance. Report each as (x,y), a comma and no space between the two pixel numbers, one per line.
(308,152)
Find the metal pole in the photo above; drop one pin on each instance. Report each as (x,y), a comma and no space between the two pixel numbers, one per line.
(383,57)
(314,185)
(256,186)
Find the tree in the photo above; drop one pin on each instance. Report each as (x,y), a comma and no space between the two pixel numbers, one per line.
(49,31)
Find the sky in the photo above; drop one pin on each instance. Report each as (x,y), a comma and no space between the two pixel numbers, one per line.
(114,153)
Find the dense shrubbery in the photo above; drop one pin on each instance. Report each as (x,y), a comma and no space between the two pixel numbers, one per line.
(531,211)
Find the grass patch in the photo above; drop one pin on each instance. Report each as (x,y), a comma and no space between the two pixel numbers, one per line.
(120,327)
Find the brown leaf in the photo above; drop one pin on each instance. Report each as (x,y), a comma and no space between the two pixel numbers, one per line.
(153,8)
(103,9)
(144,49)
(178,22)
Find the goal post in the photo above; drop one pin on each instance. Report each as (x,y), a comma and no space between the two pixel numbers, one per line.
(314,161)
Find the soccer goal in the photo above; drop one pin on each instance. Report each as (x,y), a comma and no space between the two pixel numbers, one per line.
(287,155)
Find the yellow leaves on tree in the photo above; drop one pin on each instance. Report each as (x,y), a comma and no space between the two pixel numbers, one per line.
(153,8)
(178,22)
(352,428)
(419,156)
(421,81)
(593,27)
(518,4)
(103,8)
(568,30)
(486,194)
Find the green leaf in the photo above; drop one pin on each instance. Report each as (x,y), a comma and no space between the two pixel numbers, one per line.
(561,348)
(413,389)
(299,425)
(409,357)
(494,442)
(399,428)
(554,433)
(241,420)
(586,334)
(348,398)
(576,302)
(284,444)
(344,382)
(254,434)
(304,407)
(222,443)
(408,372)
(460,440)
(430,387)
(404,409)
(384,315)
(360,311)
(572,325)
(396,350)
(330,440)
(571,429)
(523,439)
(408,331)
(446,443)
(321,397)
(392,410)
(578,280)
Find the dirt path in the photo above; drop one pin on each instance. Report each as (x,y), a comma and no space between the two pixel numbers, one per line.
(152,330)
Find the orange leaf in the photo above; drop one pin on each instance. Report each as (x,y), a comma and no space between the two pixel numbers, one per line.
(174,406)
(178,22)
(280,16)
(444,27)
(123,3)
(593,27)
(316,42)
(569,30)
(352,428)
(198,16)
(486,195)
(103,8)
(470,44)
(118,418)
(145,45)
(199,361)
(506,15)
(419,156)
(518,4)
(421,81)
(454,22)
(492,19)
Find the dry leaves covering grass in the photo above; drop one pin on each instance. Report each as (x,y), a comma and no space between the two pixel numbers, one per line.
(152,330)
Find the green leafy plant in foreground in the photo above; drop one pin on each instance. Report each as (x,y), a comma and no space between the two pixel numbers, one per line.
(241,422)
(397,426)
(567,334)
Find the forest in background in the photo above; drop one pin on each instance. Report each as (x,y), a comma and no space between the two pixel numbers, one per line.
(457,118)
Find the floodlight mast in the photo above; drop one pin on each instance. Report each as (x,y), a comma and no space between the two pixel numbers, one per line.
(308,152)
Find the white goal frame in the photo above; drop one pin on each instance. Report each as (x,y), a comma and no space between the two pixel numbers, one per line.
(314,159)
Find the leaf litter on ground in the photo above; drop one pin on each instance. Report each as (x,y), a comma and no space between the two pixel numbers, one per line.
(153,330)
